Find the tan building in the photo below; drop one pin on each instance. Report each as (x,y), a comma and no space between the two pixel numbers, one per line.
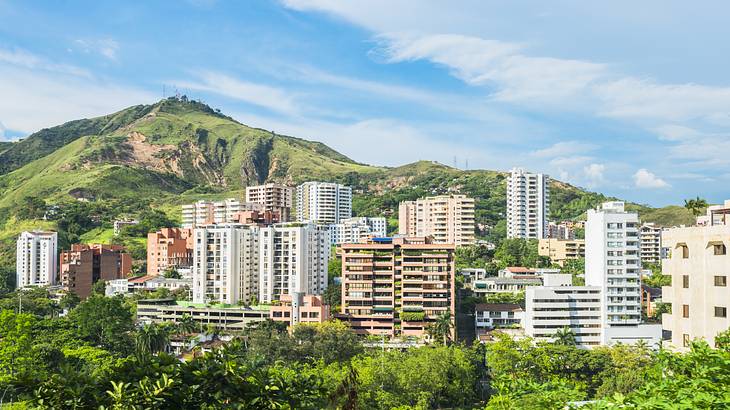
(300,308)
(448,218)
(84,265)
(209,212)
(169,248)
(396,286)
(274,197)
(559,250)
(699,264)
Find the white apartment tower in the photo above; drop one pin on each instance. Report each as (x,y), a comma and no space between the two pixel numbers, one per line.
(323,202)
(293,258)
(528,204)
(612,263)
(447,218)
(650,239)
(36,259)
(355,230)
(225,263)
(274,197)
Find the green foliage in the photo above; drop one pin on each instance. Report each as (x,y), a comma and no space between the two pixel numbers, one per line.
(519,252)
(104,322)
(412,316)
(657,280)
(34,300)
(696,206)
(474,256)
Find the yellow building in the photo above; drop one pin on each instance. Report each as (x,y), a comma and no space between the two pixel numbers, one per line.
(560,250)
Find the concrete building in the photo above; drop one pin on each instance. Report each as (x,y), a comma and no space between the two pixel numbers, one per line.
(275,198)
(300,308)
(650,240)
(323,202)
(528,204)
(209,212)
(448,218)
(169,248)
(561,231)
(36,261)
(397,286)
(358,229)
(489,316)
(83,265)
(222,317)
(699,265)
(293,258)
(549,309)
(121,224)
(225,263)
(560,250)
(471,275)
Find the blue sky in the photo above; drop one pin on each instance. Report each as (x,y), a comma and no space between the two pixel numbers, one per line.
(627,98)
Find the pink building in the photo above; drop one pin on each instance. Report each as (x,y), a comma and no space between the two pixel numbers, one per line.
(300,308)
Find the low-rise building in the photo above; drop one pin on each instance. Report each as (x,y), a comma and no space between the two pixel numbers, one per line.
(489,316)
(559,250)
(84,265)
(222,317)
(471,275)
(300,308)
(550,309)
(121,224)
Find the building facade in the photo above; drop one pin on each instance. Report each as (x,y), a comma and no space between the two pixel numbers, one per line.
(218,212)
(36,261)
(357,229)
(650,239)
(323,202)
(84,265)
(528,204)
(559,250)
(560,231)
(447,218)
(397,286)
(169,248)
(299,308)
(275,198)
(699,265)
(550,309)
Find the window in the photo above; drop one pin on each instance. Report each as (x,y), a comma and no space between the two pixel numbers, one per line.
(685,281)
(719,249)
(685,340)
(720,311)
(685,311)
(721,281)
(685,252)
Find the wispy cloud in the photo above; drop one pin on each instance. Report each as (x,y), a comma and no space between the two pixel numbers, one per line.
(106,47)
(564,148)
(645,179)
(24,59)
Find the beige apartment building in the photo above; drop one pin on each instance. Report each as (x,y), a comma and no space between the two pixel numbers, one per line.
(561,250)
(699,264)
(396,286)
(449,219)
(169,248)
(275,198)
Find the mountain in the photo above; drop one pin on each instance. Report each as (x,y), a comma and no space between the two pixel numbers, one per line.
(177,151)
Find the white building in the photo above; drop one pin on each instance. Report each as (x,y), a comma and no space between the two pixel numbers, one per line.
(36,259)
(528,204)
(120,224)
(323,202)
(549,309)
(650,239)
(293,258)
(613,265)
(274,197)
(354,230)
(488,316)
(225,263)
(209,212)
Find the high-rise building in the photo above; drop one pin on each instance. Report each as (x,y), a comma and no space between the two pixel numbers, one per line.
(358,229)
(323,202)
(169,248)
(699,265)
(84,265)
(275,198)
(560,231)
(447,218)
(36,259)
(225,263)
(528,204)
(293,258)
(397,286)
(208,212)
(650,239)
(559,250)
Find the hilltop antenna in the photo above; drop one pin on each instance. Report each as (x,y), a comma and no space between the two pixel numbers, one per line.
(466,166)
(455,165)
(163,91)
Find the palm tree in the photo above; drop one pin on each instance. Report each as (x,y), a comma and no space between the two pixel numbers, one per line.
(441,328)
(152,338)
(187,324)
(565,337)
(695,205)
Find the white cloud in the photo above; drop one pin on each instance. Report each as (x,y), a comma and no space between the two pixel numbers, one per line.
(564,149)
(645,179)
(570,161)
(594,174)
(107,47)
(23,59)
(265,96)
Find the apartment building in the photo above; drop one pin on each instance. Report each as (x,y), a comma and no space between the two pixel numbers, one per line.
(300,308)
(358,229)
(84,265)
(561,231)
(208,212)
(323,202)
(293,258)
(489,316)
(36,259)
(613,265)
(699,265)
(561,250)
(397,286)
(169,248)
(650,240)
(447,218)
(549,309)
(225,263)
(528,204)
(275,198)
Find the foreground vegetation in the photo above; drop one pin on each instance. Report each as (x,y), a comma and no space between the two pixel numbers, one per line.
(96,357)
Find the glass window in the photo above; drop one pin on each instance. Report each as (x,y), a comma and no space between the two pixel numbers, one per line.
(720,311)
(685,311)
(720,249)
(685,281)
(721,281)
(685,340)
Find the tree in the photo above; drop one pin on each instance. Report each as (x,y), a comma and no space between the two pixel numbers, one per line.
(105,322)
(441,328)
(696,205)
(565,337)
(171,273)
(187,324)
(69,300)
(152,338)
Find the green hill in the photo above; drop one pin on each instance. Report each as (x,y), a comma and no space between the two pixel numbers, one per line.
(177,151)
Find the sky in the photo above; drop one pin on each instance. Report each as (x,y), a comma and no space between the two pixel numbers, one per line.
(627,98)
